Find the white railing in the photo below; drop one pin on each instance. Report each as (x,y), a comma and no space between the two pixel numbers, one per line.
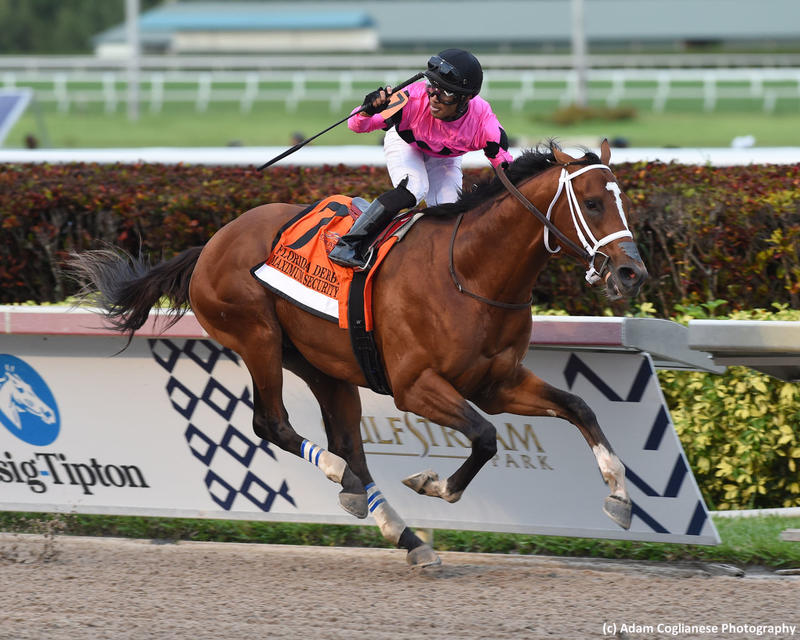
(372,155)
(383,61)
(652,88)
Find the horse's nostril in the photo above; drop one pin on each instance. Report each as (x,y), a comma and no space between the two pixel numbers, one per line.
(629,276)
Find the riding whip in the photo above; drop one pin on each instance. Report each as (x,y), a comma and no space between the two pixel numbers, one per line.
(307,140)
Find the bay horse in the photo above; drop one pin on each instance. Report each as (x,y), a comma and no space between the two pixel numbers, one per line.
(452,316)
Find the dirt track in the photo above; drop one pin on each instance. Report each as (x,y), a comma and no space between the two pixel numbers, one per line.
(112,588)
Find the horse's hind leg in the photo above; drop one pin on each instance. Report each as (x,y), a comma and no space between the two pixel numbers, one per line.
(269,426)
(395,530)
(261,349)
(340,405)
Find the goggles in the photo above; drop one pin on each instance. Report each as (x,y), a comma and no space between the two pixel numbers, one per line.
(444,70)
(444,96)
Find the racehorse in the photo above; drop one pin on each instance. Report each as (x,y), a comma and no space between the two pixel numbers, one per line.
(17,396)
(452,317)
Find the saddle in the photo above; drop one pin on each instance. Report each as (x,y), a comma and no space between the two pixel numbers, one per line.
(298,270)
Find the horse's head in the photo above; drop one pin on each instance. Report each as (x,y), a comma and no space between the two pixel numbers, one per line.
(592,211)
(23,397)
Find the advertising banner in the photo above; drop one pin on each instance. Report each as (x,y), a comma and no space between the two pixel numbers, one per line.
(164,428)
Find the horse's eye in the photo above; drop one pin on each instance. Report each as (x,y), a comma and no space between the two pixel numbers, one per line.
(591,205)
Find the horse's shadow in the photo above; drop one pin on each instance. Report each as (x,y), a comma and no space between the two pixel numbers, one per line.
(450,572)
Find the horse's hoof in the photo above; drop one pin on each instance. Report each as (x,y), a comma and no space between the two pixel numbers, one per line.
(423,556)
(619,510)
(421,482)
(354,503)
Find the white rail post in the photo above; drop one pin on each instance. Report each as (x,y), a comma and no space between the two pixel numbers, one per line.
(110,91)
(579,53)
(134,55)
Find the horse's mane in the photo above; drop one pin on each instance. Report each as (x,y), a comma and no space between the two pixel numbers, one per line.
(532,162)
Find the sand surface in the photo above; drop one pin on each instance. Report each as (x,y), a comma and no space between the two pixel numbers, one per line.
(140,589)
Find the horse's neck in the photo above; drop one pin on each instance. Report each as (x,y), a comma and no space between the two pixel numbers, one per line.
(7,404)
(5,390)
(502,250)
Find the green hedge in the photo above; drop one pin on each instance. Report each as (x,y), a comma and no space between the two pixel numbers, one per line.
(740,430)
(705,232)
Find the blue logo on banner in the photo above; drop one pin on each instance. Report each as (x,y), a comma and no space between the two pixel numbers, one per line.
(27,406)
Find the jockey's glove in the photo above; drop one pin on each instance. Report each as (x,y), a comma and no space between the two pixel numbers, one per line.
(371,97)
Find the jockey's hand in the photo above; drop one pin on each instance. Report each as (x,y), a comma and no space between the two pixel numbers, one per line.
(376,101)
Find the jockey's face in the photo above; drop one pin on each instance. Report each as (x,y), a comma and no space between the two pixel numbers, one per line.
(443,103)
(440,109)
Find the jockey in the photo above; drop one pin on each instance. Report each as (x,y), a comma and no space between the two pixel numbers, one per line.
(441,120)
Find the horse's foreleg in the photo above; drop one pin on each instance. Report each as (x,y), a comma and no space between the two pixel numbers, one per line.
(432,397)
(529,395)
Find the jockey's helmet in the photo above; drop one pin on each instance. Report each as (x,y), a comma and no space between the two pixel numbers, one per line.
(456,70)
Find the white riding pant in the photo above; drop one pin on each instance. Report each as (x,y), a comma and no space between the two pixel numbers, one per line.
(435,180)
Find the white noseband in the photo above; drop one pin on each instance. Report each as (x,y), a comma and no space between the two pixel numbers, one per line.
(584,233)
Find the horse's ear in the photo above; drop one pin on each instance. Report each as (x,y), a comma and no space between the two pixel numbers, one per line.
(560,156)
(605,152)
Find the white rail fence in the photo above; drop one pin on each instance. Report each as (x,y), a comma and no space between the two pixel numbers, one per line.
(656,88)
(346,61)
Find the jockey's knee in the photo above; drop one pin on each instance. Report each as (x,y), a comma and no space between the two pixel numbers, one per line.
(416,186)
(398,198)
(442,193)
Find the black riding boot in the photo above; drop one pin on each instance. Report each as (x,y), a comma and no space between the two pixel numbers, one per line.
(349,251)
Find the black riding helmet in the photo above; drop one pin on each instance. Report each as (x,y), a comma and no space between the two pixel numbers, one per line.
(456,70)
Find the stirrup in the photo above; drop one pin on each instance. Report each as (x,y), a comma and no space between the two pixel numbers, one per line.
(350,258)
(366,228)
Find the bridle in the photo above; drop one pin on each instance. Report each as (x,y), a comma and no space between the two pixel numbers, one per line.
(590,245)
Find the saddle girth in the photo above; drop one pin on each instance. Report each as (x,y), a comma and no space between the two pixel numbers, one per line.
(363,341)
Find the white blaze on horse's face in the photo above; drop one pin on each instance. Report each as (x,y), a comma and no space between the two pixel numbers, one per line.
(586,237)
(613,187)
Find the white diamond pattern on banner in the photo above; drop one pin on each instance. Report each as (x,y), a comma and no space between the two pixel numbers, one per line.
(209,407)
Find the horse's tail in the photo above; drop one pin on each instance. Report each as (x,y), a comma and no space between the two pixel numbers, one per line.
(125,287)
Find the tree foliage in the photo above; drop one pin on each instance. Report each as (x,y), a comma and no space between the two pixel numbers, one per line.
(57,26)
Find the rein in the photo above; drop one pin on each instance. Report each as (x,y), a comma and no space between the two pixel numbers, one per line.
(460,287)
(544,219)
(586,253)
(579,222)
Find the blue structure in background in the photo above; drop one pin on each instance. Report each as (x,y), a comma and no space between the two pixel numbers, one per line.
(13,103)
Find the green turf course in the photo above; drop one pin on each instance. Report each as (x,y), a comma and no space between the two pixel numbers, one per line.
(270,124)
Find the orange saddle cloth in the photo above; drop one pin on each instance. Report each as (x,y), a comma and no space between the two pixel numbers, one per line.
(299,269)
